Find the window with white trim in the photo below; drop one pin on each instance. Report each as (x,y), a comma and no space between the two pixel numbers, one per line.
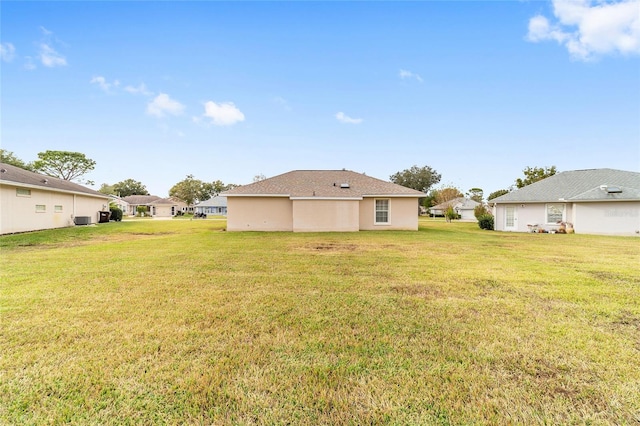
(57,209)
(555,213)
(21,192)
(41,208)
(382,212)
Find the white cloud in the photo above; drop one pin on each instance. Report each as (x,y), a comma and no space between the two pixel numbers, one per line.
(222,114)
(163,104)
(102,82)
(404,74)
(45,31)
(7,51)
(282,102)
(343,118)
(50,58)
(591,28)
(141,89)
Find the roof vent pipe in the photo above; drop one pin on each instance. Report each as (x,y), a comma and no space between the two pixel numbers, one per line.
(603,187)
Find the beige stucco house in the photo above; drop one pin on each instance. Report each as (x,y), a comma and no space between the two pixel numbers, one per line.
(153,205)
(322,200)
(595,201)
(31,201)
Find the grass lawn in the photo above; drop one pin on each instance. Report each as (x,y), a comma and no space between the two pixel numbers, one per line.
(174,322)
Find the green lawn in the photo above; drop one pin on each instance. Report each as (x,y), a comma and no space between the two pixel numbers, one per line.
(174,322)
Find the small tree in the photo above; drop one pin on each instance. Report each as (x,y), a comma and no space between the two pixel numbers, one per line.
(476,194)
(480,210)
(141,210)
(450,214)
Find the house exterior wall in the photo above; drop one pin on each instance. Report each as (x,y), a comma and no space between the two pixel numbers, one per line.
(526,214)
(606,218)
(620,218)
(259,214)
(326,215)
(162,211)
(403,214)
(18,213)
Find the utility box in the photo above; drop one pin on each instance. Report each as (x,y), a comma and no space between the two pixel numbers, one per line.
(103,217)
(82,220)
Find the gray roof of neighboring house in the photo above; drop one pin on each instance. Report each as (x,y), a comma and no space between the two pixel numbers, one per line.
(579,185)
(164,201)
(323,183)
(460,202)
(217,201)
(21,177)
(138,200)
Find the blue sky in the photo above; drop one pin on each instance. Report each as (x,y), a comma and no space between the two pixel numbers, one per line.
(155,91)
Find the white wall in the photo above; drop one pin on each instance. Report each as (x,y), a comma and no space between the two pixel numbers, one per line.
(18,213)
(620,218)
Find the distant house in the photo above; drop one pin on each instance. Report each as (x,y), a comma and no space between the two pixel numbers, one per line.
(215,205)
(31,201)
(322,200)
(596,201)
(119,202)
(153,205)
(461,205)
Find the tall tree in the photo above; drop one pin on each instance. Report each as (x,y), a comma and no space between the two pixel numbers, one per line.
(476,194)
(8,157)
(191,190)
(105,188)
(496,194)
(535,174)
(65,165)
(418,178)
(446,194)
(129,187)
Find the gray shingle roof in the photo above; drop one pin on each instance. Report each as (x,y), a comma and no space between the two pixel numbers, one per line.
(578,185)
(460,202)
(217,201)
(323,183)
(20,177)
(140,199)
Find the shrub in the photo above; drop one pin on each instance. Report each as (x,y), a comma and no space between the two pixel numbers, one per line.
(116,214)
(485,221)
(141,210)
(480,210)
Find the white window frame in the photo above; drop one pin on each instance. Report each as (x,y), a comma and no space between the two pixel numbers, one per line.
(41,208)
(21,192)
(375,211)
(555,205)
(58,208)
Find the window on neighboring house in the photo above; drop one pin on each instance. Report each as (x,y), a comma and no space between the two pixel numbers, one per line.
(555,213)
(57,209)
(21,192)
(382,211)
(41,208)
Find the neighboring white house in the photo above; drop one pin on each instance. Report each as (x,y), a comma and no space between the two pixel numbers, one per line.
(119,202)
(214,205)
(31,201)
(462,206)
(596,201)
(322,200)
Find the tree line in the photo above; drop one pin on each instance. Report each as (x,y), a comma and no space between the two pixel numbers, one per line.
(69,165)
